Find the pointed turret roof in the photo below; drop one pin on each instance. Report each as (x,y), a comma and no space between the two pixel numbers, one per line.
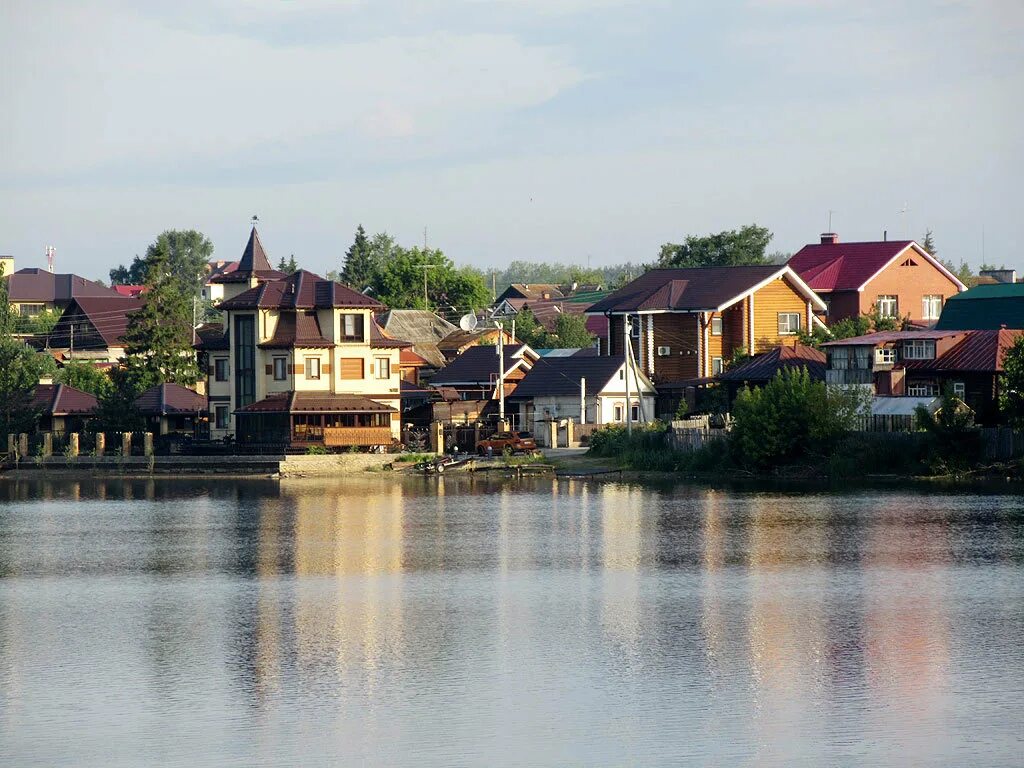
(254,263)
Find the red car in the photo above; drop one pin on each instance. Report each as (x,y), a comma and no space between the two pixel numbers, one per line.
(507,442)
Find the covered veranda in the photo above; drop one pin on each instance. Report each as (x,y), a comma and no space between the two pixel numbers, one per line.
(303,419)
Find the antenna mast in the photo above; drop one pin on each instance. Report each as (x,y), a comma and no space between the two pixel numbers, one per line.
(51,253)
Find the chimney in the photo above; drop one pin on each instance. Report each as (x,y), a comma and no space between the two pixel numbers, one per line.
(829,238)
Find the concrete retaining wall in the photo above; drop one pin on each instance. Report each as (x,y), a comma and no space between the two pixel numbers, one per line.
(335,464)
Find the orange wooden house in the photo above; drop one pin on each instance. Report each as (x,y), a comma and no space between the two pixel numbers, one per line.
(686,323)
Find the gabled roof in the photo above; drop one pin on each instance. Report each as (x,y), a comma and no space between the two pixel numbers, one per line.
(62,400)
(381,339)
(532,291)
(985,307)
(851,266)
(763,367)
(254,263)
(479,364)
(212,337)
(889,337)
(416,325)
(696,289)
(561,375)
(301,290)
(297,329)
(130,290)
(32,284)
(315,402)
(108,315)
(458,339)
(979,352)
(170,400)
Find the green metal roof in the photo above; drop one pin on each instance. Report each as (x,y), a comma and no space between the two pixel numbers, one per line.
(984,308)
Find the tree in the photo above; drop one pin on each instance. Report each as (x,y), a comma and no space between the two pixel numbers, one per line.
(929,243)
(571,331)
(400,284)
(954,442)
(160,333)
(746,245)
(20,371)
(529,331)
(360,264)
(117,411)
(289,267)
(184,253)
(86,377)
(1011,385)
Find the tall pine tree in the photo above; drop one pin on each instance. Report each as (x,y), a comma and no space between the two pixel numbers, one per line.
(359,263)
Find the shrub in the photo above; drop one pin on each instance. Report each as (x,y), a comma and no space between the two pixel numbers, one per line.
(316,450)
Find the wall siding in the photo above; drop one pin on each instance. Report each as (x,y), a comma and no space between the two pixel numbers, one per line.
(774,298)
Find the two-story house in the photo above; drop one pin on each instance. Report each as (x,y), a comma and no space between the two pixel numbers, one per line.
(302,362)
(684,324)
(896,278)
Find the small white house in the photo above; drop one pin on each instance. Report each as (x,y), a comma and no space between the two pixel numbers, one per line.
(585,388)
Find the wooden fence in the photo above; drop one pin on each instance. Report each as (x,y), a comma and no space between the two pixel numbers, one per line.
(885,423)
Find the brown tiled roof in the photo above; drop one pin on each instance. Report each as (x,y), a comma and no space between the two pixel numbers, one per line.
(297,329)
(302,290)
(38,285)
(169,400)
(685,290)
(254,263)
(315,402)
(763,367)
(979,352)
(62,400)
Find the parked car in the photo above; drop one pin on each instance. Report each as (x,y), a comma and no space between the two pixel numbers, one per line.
(507,442)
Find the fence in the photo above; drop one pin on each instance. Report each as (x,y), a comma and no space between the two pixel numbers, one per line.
(695,433)
(885,423)
(1001,444)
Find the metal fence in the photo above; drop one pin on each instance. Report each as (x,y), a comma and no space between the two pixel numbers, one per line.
(886,423)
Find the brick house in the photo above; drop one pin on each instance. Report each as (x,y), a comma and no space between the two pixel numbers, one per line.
(898,278)
(686,323)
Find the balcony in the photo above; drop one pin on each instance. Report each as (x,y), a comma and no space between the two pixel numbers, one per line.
(339,437)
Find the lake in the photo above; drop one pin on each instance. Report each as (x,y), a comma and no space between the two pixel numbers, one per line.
(545,622)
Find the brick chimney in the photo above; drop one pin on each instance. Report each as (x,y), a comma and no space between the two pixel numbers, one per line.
(829,238)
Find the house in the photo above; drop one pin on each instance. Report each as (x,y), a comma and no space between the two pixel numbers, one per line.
(32,291)
(131,291)
(530,292)
(92,328)
(251,270)
(62,408)
(896,278)
(985,307)
(172,408)
(684,323)
(424,329)
(474,372)
(762,368)
(590,389)
(923,363)
(300,362)
(458,341)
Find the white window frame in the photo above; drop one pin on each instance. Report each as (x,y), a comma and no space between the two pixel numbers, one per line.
(931,306)
(311,364)
(885,356)
(634,411)
(717,366)
(716,325)
(382,368)
(960,389)
(786,323)
(919,349)
(283,362)
(888,305)
(921,390)
(617,413)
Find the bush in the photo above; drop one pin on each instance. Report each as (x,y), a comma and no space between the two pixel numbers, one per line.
(316,450)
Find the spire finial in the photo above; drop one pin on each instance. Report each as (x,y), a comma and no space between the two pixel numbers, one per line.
(255,220)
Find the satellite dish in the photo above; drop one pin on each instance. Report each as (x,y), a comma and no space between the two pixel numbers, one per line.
(468,322)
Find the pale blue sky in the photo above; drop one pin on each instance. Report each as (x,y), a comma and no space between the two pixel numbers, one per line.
(534,129)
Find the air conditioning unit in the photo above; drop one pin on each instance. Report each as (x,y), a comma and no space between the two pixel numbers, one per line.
(664,351)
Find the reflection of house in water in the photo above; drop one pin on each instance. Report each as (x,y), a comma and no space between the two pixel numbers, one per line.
(624,549)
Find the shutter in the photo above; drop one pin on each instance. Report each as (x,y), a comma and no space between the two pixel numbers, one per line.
(325,369)
(395,368)
(270,370)
(300,370)
(371,369)
(351,368)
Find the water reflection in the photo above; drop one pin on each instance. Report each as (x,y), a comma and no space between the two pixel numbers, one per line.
(457,620)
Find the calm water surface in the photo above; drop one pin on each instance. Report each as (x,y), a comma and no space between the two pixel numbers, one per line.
(373,622)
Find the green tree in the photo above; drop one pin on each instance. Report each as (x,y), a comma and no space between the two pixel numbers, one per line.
(1011,385)
(86,377)
(399,283)
(732,247)
(954,441)
(360,264)
(183,253)
(117,411)
(289,267)
(529,330)
(792,418)
(928,243)
(160,333)
(571,331)
(20,370)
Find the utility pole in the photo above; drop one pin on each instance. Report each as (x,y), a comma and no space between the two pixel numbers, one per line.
(194,299)
(501,372)
(425,267)
(627,344)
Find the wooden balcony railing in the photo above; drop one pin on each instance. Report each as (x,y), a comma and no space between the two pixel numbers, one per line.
(344,436)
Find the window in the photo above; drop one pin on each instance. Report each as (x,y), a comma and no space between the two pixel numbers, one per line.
(789,323)
(245,360)
(959,389)
(312,368)
(220,369)
(716,326)
(617,413)
(931,307)
(280,368)
(716,366)
(635,324)
(31,310)
(862,358)
(919,389)
(919,349)
(221,417)
(634,413)
(382,367)
(885,356)
(351,368)
(839,358)
(352,327)
(888,306)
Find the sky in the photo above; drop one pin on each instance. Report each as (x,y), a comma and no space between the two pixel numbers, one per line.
(581,131)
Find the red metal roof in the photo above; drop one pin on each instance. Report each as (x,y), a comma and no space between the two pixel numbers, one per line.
(62,400)
(170,399)
(297,329)
(888,337)
(979,352)
(763,367)
(845,266)
(130,290)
